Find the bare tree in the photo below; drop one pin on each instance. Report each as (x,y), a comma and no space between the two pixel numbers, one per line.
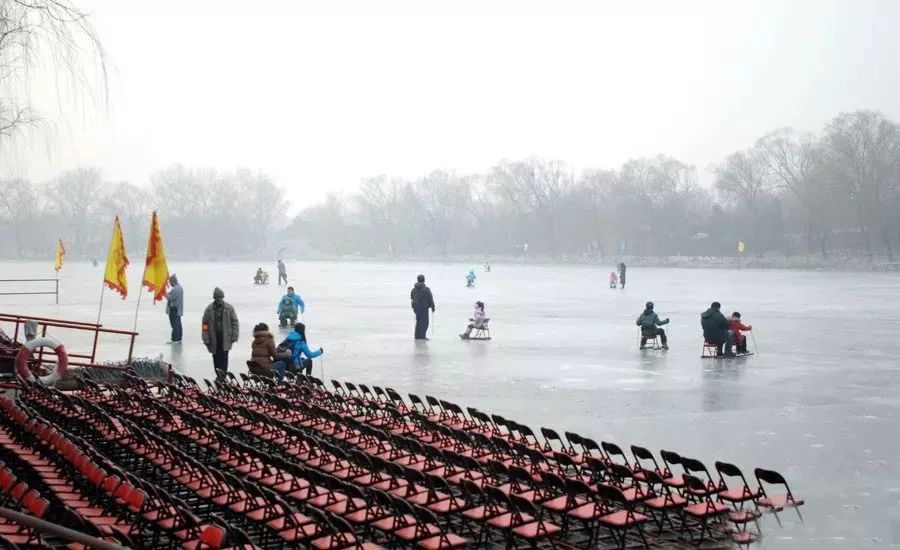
(863,148)
(78,195)
(264,204)
(19,202)
(535,188)
(133,206)
(35,34)
(795,162)
(745,178)
(441,201)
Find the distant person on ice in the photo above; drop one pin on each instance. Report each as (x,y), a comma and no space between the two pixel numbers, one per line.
(477,320)
(421,299)
(220,329)
(649,322)
(295,298)
(470,278)
(613,280)
(622,268)
(736,326)
(282,272)
(296,341)
(715,330)
(175,308)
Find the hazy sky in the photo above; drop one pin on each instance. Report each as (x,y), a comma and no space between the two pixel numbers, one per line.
(319,94)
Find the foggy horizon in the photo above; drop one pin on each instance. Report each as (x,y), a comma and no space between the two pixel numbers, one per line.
(318,99)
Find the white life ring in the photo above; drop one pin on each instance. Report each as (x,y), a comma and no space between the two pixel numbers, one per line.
(62,360)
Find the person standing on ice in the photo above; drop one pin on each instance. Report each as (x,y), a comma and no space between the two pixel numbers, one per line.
(220,329)
(282,272)
(421,299)
(175,308)
(622,268)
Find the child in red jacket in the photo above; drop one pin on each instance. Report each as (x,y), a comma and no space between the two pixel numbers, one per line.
(735,325)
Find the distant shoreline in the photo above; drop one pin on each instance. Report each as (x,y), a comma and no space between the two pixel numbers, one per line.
(879,264)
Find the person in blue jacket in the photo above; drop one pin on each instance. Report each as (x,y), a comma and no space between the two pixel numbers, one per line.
(298,301)
(470,278)
(296,340)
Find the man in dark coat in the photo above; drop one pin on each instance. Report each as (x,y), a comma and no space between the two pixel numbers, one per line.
(715,330)
(421,299)
(622,268)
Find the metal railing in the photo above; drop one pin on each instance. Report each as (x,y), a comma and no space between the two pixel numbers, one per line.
(58,531)
(55,291)
(90,360)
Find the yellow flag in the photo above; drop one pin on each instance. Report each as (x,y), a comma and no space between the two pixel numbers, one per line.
(741,247)
(156,272)
(115,276)
(60,254)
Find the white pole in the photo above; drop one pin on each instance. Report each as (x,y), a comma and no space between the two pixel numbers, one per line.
(140,293)
(102,288)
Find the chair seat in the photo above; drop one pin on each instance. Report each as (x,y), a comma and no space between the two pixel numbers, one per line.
(706,509)
(779,502)
(536,529)
(440,542)
(622,519)
(663,503)
(739,494)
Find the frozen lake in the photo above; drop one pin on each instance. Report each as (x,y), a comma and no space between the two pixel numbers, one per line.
(819,402)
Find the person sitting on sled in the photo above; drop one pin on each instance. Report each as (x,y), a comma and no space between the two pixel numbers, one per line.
(735,325)
(258,278)
(476,321)
(613,279)
(649,322)
(287,312)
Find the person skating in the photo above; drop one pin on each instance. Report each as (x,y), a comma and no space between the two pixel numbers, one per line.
(282,273)
(175,308)
(294,297)
(470,278)
(220,329)
(650,322)
(736,326)
(715,330)
(421,300)
(622,268)
(477,320)
(296,341)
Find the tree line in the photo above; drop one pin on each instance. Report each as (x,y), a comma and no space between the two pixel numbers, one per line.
(205,213)
(789,192)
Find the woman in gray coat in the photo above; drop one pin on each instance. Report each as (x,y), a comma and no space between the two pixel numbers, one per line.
(220,329)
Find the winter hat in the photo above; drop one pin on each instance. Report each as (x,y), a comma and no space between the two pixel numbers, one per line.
(649,305)
(218,293)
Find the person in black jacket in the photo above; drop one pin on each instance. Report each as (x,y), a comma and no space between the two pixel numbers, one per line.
(715,330)
(421,299)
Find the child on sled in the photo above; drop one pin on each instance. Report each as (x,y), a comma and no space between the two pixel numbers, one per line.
(477,320)
(735,325)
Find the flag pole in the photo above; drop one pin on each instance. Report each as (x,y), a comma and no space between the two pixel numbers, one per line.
(140,293)
(100,310)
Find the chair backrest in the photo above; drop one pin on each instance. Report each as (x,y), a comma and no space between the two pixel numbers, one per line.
(611,494)
(212,536)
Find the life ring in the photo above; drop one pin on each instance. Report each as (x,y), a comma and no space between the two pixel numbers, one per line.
(62,360)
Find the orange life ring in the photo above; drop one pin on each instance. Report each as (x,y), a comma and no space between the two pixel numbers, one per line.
(62,360)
